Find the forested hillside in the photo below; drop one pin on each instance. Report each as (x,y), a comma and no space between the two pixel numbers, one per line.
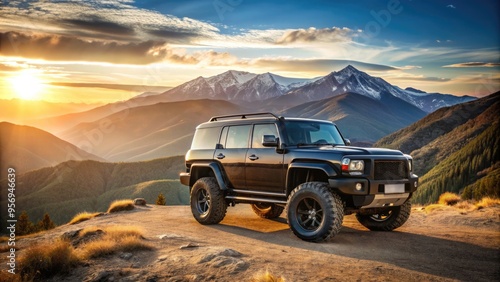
(461,169)
(455,149)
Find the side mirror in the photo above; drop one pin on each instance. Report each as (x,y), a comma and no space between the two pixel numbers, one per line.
(269,141)
(347,142)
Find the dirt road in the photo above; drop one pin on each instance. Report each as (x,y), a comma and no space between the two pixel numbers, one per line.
(443,246)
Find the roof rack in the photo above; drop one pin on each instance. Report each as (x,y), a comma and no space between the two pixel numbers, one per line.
(242,116)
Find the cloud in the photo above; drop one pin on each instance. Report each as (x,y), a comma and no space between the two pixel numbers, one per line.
(473,65)
(126,87)
(312,34)
(113,20)
(425,78)
(451,6)
(63,48)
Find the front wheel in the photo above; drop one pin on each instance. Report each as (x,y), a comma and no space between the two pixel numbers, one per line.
(267,210)
(387,220)
(314,213)
(207,201)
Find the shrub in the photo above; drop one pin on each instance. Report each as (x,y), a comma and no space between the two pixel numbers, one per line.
(83,216)
(121,205)
(115,239)
(43,261)
(24,225)
(266,277)
(449,199)
(487,202)
(161,200)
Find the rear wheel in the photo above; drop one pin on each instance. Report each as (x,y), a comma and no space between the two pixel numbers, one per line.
(314,213)
(387,220)
(267,210)
(207,201)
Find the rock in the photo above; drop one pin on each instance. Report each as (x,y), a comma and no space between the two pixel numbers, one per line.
(189,245)
(104,276)
(126,256)
(70,235)
(139,201)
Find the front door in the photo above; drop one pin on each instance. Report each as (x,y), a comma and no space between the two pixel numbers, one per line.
(264,166)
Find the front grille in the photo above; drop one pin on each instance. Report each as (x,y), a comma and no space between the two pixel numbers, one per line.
(390,170)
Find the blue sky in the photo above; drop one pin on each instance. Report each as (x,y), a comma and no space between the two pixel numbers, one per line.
(437,46)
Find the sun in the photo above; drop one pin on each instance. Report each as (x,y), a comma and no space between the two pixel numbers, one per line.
(27,85)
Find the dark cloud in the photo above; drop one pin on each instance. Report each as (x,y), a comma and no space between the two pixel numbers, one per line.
(312,34)
(174,36)
(95,24)
(473,65)
(64,48)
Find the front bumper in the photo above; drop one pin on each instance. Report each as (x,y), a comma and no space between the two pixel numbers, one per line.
(373,192)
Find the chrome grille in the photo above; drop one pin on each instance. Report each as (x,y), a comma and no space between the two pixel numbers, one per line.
(390,170)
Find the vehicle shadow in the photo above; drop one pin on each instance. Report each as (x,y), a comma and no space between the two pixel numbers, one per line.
(426,254)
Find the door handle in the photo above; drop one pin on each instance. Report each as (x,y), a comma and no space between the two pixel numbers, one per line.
(220,156)
(253,157)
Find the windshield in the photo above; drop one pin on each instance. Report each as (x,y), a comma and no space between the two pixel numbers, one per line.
(301,133)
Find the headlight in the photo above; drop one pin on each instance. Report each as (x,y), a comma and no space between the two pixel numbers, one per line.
(410,162)
(353,167)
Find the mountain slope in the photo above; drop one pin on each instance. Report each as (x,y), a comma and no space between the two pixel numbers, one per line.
(461,168)
(147,132)
(77,186)
(436,124)
(26,148)
(360,118)
(452,148)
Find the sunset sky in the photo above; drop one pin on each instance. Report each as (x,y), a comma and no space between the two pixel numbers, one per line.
(103,51)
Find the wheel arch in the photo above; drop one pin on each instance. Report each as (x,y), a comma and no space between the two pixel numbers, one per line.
(304,171)
(209,169)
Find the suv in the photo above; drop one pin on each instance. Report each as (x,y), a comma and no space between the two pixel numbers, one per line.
(302,165)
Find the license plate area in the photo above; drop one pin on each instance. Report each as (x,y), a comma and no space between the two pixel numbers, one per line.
(394,188)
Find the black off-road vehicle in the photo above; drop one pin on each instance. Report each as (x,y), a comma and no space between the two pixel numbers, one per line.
(302,165)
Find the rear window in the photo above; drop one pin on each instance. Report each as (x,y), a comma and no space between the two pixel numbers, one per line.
(205,138)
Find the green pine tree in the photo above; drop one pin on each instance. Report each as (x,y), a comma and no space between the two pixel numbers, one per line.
(161,199)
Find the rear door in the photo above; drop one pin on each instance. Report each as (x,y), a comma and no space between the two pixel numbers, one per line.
(264,166)
(231,153)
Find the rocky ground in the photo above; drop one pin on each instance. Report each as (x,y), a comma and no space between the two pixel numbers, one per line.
(445,245)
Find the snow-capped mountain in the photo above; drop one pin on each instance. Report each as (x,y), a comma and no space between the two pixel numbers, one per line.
(243,87)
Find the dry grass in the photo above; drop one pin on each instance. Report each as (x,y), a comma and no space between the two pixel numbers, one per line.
(449,199)
(42,261)
(487,202)
(266,277)
(4,239)
(83,216)
(115,239)
(121,205)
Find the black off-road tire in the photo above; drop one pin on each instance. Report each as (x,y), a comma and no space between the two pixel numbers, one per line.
(207,201)
(314,213)
(393,218)
(267,210)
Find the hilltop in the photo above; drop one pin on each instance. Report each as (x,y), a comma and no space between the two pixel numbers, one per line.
(244,245)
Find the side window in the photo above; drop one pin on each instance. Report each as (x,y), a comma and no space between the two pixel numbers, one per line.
(259,130)
(237,136)
(205,138)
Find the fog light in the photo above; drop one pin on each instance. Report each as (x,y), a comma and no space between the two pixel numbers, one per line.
(359,186)
(415,184)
